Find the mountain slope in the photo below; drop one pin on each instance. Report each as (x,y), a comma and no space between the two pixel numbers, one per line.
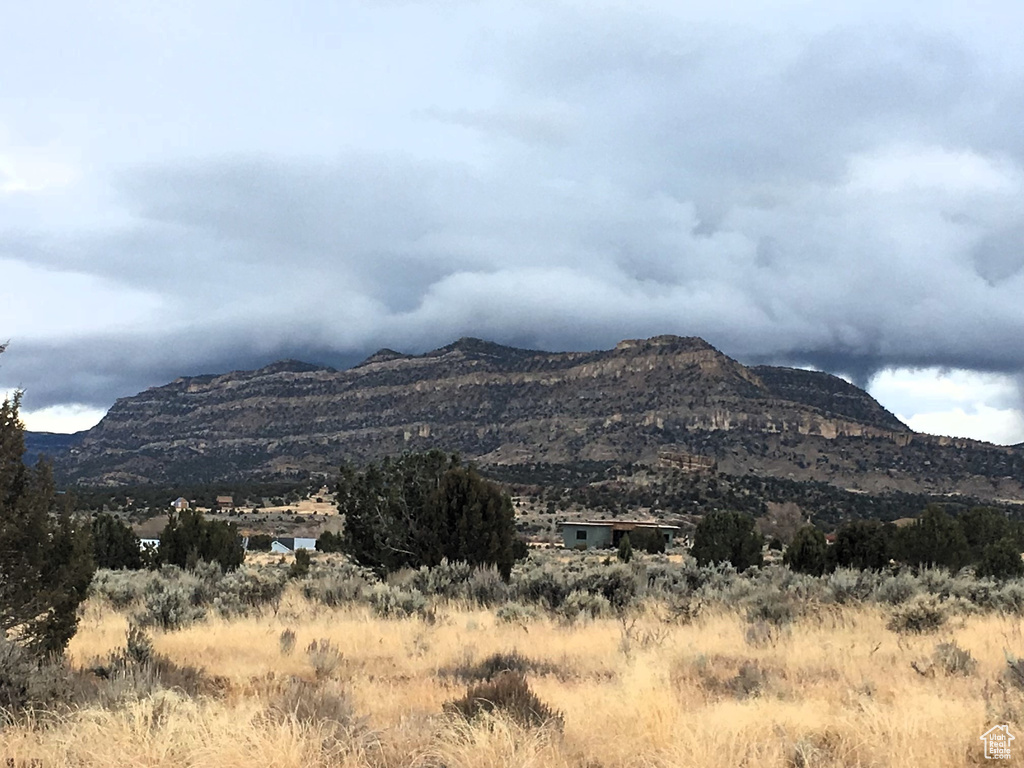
(502,405)
(49,444)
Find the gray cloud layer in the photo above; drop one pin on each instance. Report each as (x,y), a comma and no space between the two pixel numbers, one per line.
(849,198)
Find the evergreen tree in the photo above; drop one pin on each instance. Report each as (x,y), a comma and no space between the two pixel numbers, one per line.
(625,553)
(727,537)
(983,527)
(934,539)
(300,565)
(190,537)
(328,541)
(422,508)
(114,544)
(262,542)
(45,557)
(863,545)
(649,540)
(1000,560)
(807,552)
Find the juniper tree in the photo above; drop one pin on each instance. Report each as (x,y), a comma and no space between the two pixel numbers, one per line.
(422,508)
(45,556)
(114,544)
(807,553)
(727,537)
(189,538)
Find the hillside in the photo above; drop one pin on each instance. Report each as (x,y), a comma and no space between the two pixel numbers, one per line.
(505,406)
(49,444)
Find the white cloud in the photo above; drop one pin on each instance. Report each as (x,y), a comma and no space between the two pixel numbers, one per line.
(33,168)
(1000,426)
(62,418)
(957,403)
(905,167)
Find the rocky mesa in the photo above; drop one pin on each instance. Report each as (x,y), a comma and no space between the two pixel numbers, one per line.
(666,396)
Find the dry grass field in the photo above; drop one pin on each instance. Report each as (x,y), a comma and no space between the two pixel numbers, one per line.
(834,688)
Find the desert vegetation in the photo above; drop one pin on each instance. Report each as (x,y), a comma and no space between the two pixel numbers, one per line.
(451,645)
(576,660)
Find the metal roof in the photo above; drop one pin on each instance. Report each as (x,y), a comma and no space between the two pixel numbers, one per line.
(620,525)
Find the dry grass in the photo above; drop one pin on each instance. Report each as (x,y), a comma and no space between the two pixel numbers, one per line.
(839,689)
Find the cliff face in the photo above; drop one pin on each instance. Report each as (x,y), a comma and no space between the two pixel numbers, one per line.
(499,404)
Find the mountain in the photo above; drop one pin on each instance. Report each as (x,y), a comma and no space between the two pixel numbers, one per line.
(668,396)
(39,444)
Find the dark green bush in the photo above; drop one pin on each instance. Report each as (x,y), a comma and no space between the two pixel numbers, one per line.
(625,551)
(649,540)
(328,541)
(260,542)
(300,565)
(808,551)
(45,555)
(933,539)
(727,537)
(422,508)
(114,544)
(1001,560)
(189,538)
(862,545)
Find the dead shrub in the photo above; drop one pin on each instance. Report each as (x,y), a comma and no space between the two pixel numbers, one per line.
(1013,675)
(762,634)
(325,706)
(748,681)
(820,750)
(309,702)
(137,671)
(510,695)
(724,676)
(286,642)
(324,657)
(954,660)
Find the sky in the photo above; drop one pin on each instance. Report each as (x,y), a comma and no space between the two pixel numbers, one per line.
(202,186)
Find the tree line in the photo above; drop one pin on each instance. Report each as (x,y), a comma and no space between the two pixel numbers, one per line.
(983,538)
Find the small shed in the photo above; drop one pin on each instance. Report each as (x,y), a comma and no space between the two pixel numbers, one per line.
(595,534)
(180,503)
(225,502)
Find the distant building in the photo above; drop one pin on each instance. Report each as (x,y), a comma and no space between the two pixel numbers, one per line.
(149,544)
(608,533)
(285,545)
(225,502)
(179,504)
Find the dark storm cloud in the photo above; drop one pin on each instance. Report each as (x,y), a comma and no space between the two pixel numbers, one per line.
(849,200)
(94,371)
